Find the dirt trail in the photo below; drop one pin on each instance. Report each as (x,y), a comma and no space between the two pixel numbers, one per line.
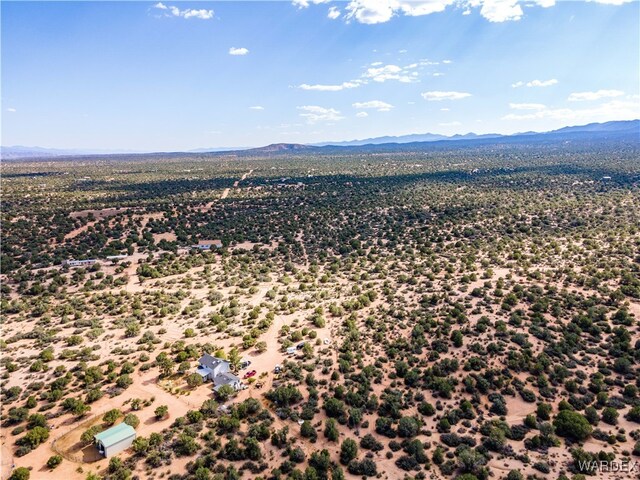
(226,191)
(7,462)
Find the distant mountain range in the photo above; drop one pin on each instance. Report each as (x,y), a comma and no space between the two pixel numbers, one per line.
(18,151)
(415,137)
(617,129)
(615,126)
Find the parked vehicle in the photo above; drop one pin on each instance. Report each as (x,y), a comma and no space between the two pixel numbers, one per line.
(245,364)
(249,374)
(291,351)
(277,369)
(300,345)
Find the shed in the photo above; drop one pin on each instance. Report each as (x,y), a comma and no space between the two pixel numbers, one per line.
(115,439)
(207,244)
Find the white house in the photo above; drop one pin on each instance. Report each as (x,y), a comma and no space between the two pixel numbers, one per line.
(78,263)
(218,371)
(207,244)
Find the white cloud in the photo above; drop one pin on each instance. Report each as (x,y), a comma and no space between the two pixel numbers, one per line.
(376,72)
(381,11)
(333,13)
(306,3)
(378,105)
(315,114)
(371,11)
(611,2)
(11,109)
(611,110)
(362,114)
(330,88)
(498,10)
(527,106)
(392,72)
(535,83)
(438,96)
(256,107)
(172,11)
(590,96)
(415,9)
(238,51)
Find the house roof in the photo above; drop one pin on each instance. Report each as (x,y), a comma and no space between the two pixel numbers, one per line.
(209,361)
(115,434)
(222,379)
(203,371)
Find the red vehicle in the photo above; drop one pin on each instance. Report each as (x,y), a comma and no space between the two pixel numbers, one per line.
(250,374)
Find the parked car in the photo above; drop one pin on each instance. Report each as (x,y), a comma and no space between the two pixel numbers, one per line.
(300,345)
(291,350)
(245,364)
(277,369)
(326,341)
(249,374)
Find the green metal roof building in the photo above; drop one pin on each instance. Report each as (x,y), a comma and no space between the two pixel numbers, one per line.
(115,439)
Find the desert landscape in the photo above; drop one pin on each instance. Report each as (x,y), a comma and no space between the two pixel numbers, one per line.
(420,314)
(320,240)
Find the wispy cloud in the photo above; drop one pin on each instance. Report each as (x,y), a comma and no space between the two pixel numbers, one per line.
(330,88)
(306,3)
(371,12)
(380,11)
(535,83)
(378,105)
(611,2)
(238,51)
(376,72)
(314,114)
(611,110)
(498,11)
(438,95)
(392,72)
(11,110)
(362,114)
(333,13)
(173,11)
(256,107)
(589,96)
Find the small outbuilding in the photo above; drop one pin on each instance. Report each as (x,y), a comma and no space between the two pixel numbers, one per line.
(207,244)
(115,439)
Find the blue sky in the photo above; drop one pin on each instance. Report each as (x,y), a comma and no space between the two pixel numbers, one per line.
(180,75)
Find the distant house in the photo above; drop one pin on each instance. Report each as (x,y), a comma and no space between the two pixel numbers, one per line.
(117,257)
(218,371)
(207,244)
(115,439)
(78,263)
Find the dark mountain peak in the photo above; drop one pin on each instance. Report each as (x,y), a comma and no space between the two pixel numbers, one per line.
(281,147)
